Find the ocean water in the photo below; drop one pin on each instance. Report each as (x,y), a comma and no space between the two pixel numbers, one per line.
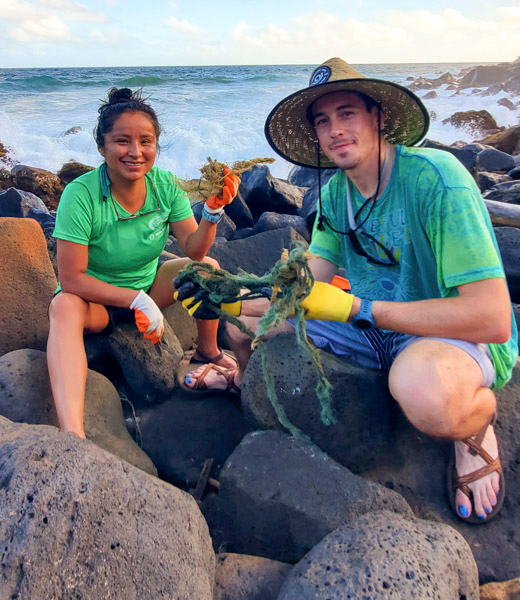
(204,111)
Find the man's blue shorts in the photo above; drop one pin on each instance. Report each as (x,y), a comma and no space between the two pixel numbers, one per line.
(377,349)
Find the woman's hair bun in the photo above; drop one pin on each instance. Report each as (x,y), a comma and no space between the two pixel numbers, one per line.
(116,95)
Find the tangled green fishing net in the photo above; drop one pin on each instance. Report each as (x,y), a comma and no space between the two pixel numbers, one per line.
(289,281)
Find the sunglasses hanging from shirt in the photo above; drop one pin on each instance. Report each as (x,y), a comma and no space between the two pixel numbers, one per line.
(106,192)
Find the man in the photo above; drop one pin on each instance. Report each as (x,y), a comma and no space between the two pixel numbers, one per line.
(429,299)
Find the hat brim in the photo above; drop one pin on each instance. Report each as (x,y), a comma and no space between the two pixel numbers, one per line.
(290,134)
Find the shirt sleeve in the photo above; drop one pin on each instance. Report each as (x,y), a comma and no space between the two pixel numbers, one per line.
(74,215)
(461,235)
(180,205)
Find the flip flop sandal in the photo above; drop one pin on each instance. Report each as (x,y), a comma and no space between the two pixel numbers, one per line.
(200,388)
(456,482)
(205,359)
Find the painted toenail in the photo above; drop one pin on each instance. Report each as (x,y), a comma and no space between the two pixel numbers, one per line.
(487,509)
(481,516)
(188,379)
(493,502)
(463,511)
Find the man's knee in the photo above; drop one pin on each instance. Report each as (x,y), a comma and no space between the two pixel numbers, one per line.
(435,389)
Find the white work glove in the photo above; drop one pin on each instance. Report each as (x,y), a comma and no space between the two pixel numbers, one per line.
(148,317)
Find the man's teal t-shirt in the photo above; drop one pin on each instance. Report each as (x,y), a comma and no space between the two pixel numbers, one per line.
(121,252)
(432,216)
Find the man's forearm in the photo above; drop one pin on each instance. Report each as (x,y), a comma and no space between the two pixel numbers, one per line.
(473,317)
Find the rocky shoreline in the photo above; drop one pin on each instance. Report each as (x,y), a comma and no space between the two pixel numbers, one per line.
(175,497)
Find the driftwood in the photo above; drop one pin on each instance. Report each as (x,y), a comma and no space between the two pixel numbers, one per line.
(502,213)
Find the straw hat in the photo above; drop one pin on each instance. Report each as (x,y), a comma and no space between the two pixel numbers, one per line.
(290,134)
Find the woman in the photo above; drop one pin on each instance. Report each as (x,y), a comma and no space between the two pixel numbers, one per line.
(111,225)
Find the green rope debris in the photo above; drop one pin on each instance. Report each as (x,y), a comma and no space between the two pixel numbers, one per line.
(291,275)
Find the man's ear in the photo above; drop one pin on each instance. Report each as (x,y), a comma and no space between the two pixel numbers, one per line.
(101,150)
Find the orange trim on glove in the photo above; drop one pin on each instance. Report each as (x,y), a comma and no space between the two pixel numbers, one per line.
(142,322)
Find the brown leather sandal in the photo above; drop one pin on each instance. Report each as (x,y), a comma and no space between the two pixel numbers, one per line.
(200,388)
(199,358)
(456,482)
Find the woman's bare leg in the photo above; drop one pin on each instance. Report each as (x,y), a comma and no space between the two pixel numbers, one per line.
(70,317)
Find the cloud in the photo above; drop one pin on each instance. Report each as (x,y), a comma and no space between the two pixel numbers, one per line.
(47,29)
(512,12)
(390,36)
(45,19)
(184,26)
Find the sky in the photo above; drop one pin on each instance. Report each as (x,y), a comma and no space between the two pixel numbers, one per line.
(102,33)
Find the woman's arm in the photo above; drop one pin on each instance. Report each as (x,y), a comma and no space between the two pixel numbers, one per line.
(195,241)
(72,267)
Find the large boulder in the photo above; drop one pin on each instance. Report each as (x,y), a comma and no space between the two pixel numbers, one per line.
(263,192)
(183,432)
(466,154)
(504,590)
(28,285)
(148,369)
(310,198)
(26,397)
(295,378)
(486,180)
(474,121)
(72,170)
(382,556)
(392,453)
(492,159)
(44,184)
(279,497)
(225,228)
(509,194)
(485,75)
(17,203)
(256,253)
(506,141)
(76,522)
(244,577)
(307,176)
(508,239)
(270,221)
(183,325)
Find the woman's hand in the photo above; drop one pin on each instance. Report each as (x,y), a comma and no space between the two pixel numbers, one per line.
(228,193)
(148,318)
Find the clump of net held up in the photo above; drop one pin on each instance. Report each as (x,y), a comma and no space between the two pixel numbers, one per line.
(212,178)
(291,280)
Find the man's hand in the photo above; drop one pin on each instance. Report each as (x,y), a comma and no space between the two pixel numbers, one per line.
(326,302)
(196,301)
(148,317)
(228,193)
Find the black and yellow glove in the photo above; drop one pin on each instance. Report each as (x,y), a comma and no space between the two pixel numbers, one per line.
(198,304)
